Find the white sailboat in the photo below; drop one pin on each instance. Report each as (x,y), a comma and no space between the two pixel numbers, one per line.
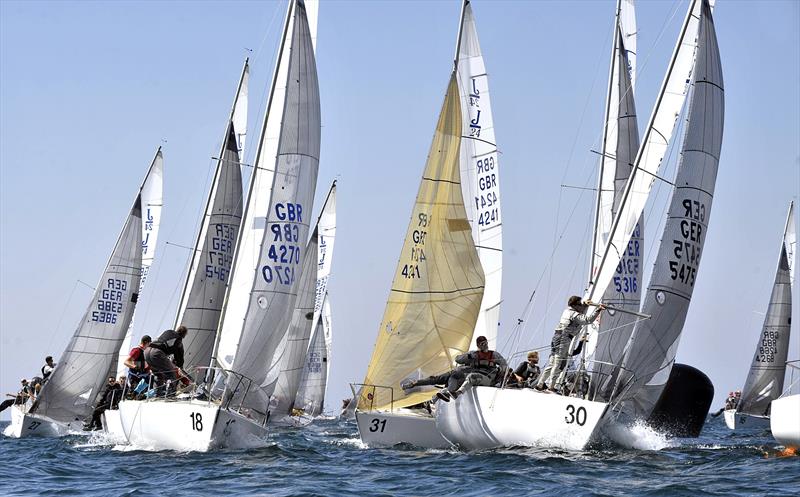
(69,395)
(431,315)
(307,317)
(768,368)
(231,408)
(784,420)
(310,399)
(487,417)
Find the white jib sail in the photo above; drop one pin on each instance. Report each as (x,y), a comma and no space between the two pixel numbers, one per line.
(209,271)
(70,392)
(152,203)
(651,152)
(480,171)
(314,381)
(277,271)
(259,191)
(288,365)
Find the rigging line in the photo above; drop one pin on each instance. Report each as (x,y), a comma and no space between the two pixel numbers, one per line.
(63,312)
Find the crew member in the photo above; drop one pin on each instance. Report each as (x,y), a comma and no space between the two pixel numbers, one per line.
(136,364)
(528,372)
(157,354)
(109,400)
(48,368)
(20,398)
(573,319)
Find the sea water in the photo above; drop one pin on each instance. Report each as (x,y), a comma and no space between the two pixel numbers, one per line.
(327,458)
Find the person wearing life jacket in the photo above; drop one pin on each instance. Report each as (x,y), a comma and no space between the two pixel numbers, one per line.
(48,368)
(169,343)
(528,372)
(573,319)
(136,364)
(484,368)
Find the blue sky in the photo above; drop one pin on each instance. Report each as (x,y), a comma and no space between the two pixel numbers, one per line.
(88,90)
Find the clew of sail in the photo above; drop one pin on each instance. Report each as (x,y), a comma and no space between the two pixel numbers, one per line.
(276,273)
(765,379)
(618,152)
(152,203)
(651,349)
(480,171)
(313,287)
(438,285)
(81,372)
(248,246)
(210,265)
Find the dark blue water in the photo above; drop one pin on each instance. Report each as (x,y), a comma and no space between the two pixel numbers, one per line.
(327,459)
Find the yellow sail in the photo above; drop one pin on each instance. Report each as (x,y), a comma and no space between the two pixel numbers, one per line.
(438,285)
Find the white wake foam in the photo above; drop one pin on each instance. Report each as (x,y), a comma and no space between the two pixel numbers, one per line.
(637,436)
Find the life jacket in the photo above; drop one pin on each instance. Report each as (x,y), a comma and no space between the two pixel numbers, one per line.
(139,363)
(483,359)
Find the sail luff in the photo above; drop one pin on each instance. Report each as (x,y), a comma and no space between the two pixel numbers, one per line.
(438,283)
(768,367)
(651,349)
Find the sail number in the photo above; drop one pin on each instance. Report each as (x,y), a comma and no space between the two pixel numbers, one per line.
(377,424)
(197,421)
(768,346)
(418,236)
(575,415)
(687,251)
(219,243)
(487,206)
(284,252)
(110,303)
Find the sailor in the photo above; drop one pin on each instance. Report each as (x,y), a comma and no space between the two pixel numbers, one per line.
(485,366)
(528,372)
(48,368)
(20,398)
(108,400)
(136,364)
(573,319)
(157,354)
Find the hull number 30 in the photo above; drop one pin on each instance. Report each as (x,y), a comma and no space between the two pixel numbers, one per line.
(197,421)
(575,415)
(377,425)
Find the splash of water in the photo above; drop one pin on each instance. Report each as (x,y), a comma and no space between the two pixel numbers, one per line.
(639,436)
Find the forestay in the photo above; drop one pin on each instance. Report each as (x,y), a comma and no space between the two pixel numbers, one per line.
(292,358)
(314,381)
(480,171)
(651,349)
(619,147)
(765,379)
(210,265)
(277,272)
(70,392)
(438,285)
(152,203)
(650,154)
(248,247)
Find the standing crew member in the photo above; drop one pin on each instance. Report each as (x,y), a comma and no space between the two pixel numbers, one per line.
(573,319)
(136,364)
(157,354)
(48,368)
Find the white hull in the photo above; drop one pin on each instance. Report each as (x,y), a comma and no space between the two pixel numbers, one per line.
(187,425)
(488,417)
(112,425)
(24,425)
(785,420)
(740,421)
(385,429)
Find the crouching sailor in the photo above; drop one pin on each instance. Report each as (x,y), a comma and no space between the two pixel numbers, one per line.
(157,355)
(483,368)
(573,319)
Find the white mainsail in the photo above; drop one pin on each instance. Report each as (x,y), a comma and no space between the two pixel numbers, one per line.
(480,171)
(248,248)
(210,265)
(765,378)
(277,268)
(649,157)
(618,151)
(152,203)
(651,349)
(81,372)
(314,381)
(289,363)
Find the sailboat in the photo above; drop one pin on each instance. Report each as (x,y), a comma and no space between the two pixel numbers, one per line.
(487,417)
(768,368)
(229,405)
(69,395)
(310,399)
(446,287)
(307,319)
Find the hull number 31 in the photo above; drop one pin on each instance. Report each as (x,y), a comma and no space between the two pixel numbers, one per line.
(575,415)
(377,425)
